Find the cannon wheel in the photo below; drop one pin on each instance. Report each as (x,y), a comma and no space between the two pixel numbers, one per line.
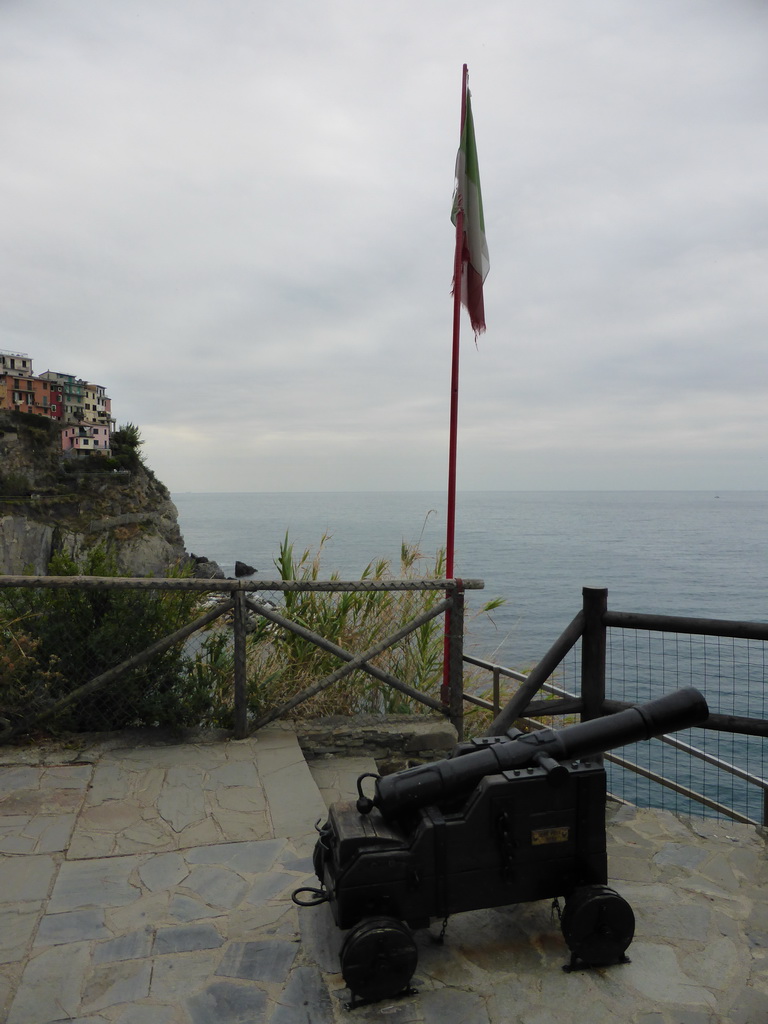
(598,926)
(378,958)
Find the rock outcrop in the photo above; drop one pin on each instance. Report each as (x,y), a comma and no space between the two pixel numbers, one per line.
(243,569)
(50,505)
(204,569)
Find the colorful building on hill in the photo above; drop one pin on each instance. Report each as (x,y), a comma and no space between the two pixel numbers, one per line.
(21,391)
(85,437)
(17,363)
(97,407)
(74,390)
(70,400)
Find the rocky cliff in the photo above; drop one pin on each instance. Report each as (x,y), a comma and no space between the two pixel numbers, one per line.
(51,504)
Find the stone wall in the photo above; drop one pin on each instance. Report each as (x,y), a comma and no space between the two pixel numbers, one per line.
(393,741)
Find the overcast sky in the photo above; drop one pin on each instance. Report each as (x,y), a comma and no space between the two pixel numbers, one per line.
(235,216)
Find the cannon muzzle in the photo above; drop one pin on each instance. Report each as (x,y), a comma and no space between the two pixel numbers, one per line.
(444,780)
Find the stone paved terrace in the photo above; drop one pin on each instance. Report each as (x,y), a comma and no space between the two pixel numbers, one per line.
(151,885)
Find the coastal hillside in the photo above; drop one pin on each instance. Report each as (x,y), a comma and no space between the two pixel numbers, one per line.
(51,504)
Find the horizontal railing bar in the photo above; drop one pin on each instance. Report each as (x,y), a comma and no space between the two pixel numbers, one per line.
(679,624)
(508,673)
(715,722)
(620,705)
(718,762)
(227,586)
(683,790)
(549,687)
(737,724)
(564,706)
(481,702)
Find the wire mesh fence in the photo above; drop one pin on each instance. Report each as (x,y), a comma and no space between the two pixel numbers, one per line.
(725,763)
(731,673)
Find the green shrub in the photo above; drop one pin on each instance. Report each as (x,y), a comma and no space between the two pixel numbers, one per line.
(14,485)
(70,636)
(125,445)
(25,676)
(209,694)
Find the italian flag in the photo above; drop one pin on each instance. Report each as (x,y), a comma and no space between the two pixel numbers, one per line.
(468,200)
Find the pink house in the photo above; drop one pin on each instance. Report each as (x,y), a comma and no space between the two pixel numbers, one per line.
(85,438)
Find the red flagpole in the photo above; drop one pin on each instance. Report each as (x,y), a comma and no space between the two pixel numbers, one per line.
(454,413)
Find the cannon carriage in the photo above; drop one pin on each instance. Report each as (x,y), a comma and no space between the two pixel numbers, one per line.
(504,820)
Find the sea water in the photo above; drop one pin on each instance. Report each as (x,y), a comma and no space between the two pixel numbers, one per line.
(673,552)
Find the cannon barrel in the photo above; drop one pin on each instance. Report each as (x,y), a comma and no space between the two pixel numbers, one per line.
(441,780)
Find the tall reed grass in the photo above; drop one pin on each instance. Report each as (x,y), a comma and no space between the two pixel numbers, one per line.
(280,663)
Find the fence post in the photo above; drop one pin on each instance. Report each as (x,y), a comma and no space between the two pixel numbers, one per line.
(595,604)
(239,666)
(456,660)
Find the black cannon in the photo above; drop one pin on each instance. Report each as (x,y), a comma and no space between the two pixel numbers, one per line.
(506,819)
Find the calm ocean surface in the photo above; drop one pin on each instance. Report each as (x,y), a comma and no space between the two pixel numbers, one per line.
(701,553)
(678,552)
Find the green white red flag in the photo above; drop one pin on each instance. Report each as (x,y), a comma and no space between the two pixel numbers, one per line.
(470,268)
(468,200)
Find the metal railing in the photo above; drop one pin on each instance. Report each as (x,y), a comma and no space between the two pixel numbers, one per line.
(238,601)
(591,627)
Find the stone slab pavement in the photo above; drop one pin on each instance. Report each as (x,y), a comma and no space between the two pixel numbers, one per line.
(150,884)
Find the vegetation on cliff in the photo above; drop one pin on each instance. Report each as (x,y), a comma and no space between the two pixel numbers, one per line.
(34,465)
(52,504)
